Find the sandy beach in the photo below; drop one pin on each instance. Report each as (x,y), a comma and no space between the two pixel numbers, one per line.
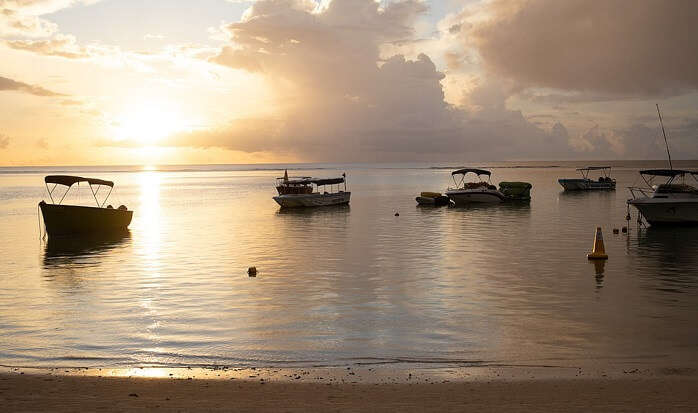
(42,392)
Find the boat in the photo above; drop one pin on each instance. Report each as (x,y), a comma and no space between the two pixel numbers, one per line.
(673,202)
(479,192)
(62,220)
(516,191)
(585,184)
(432,199)
(299,192)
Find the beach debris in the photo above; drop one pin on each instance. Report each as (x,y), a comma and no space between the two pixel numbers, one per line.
(132,395)
(397,214)
(625,230)
(615,230)
(252,271)
(599,251)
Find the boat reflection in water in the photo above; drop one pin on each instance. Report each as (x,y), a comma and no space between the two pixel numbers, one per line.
(317,211)
(61,250)
(667,252)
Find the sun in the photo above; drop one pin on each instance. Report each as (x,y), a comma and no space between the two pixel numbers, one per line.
(147,124)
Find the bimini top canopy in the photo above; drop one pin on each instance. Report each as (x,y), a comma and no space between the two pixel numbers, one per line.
(307,181)
(328,181)
(667,172)
(594,168)
(68,180)
(473,170)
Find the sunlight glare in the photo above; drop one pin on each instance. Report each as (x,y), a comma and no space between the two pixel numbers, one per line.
(148,123)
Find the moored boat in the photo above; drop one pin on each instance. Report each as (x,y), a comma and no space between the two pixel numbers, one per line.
(476,192)
(432,199)
(299,192)
(585,183)
(673,202)
(63,220)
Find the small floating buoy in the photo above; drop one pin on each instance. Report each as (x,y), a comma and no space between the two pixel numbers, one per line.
(625,230)
(397,214)
(599,251)
(615,230)
(252,271)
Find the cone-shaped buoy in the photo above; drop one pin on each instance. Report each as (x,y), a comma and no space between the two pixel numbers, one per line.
(599,251)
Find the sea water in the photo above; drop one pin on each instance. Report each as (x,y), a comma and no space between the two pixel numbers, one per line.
(505,284)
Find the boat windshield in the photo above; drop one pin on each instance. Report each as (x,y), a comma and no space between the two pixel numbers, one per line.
(674,188)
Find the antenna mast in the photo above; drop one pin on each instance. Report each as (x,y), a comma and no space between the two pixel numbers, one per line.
(664,133)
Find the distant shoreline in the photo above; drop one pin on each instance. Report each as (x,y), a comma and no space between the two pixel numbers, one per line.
(102,169)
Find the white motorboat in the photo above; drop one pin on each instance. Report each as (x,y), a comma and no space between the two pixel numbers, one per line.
(476,192)
(673,202)
(299,192)
(585,184)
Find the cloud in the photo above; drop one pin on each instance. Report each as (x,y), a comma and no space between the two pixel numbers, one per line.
(638,48)
(150,36)
(22,17)
(9,84)
(4,141)
(61,45)
(339,98)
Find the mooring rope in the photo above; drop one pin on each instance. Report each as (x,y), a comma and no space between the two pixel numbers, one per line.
(38,217)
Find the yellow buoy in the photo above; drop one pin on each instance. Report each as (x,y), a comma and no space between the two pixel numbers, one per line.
(599,251)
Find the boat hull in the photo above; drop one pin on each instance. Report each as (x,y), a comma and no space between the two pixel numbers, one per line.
(466,197)
(585,184)
(433,201)
(61,220)
(669,212)
(312,200)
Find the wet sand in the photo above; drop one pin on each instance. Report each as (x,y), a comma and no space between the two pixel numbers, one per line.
(58,393)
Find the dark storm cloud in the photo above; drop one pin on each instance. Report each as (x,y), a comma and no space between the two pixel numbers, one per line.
(619,47)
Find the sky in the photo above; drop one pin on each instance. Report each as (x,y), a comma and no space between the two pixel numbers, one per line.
(148,82)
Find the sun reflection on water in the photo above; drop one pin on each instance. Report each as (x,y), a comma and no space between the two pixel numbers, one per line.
(149,225)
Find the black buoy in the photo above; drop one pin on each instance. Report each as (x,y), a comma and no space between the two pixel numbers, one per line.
(252,271)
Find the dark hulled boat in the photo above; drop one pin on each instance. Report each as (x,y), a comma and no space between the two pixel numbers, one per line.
(63,220)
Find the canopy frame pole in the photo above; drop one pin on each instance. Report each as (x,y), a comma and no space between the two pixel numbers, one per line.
(93,193)
(64,194)
(111,188)
(50,192)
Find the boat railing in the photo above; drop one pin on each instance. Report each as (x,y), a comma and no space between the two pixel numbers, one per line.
(635,191)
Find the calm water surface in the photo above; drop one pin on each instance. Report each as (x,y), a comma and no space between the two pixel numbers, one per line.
(505,284)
